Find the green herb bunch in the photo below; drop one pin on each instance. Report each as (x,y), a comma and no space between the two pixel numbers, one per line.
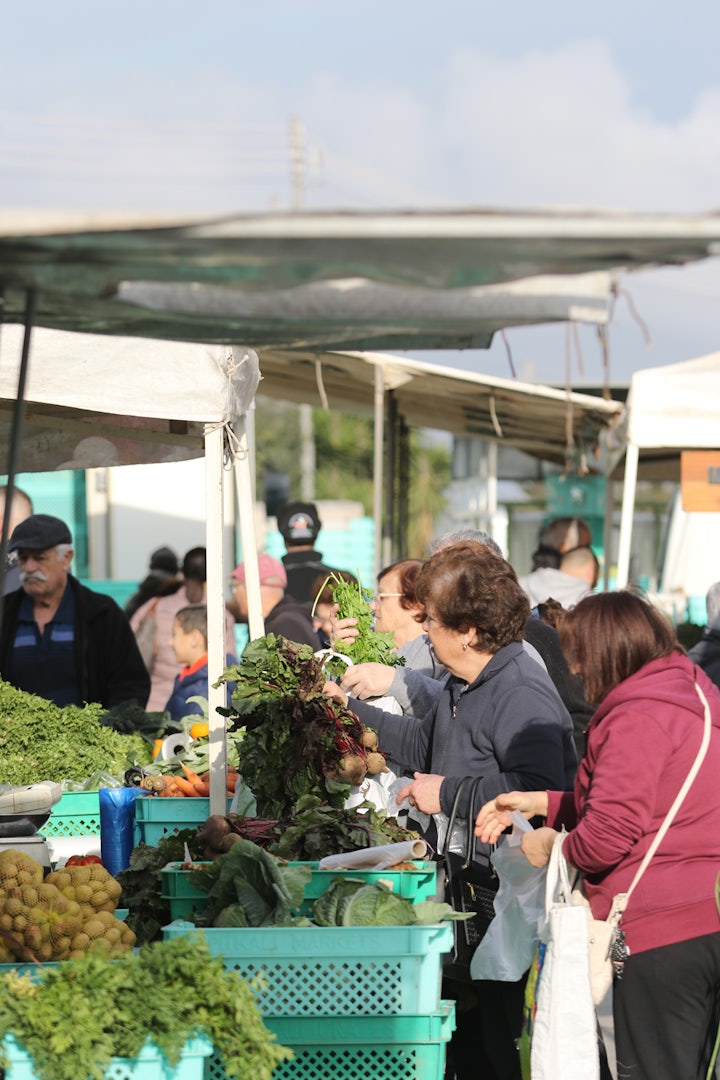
(297,739)
(81,1014)
(41,741)
(353,601)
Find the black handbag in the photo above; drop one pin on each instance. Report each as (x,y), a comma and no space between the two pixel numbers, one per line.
(470,886)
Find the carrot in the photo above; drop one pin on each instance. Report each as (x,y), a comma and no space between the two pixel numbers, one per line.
(184,786)
(171,790)
(232,779)
(190,774)
(202,788)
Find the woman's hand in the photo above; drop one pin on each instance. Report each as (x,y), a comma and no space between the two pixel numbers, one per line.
(494,816)
(368,680)
(331,689)
(537,845)
(423,792)
(341,630)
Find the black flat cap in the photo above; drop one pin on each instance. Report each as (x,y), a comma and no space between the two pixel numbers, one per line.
(39,532)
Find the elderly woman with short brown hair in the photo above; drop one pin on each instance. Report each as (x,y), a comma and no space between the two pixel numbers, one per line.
(498,717)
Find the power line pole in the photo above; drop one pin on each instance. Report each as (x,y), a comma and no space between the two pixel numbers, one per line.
(307,435)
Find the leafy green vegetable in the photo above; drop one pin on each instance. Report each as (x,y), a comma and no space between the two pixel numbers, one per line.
(297,739)
(318,829)
(148,911)
(370,645)
(82,1014)
(353,902)
(41,741)
(376,905)
(249,883)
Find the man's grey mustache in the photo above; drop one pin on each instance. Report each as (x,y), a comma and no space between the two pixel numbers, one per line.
(32,575)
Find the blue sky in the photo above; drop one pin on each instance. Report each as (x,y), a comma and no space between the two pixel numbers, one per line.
(186,108)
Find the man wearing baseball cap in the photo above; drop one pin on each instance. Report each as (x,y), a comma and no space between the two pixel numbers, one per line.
(59,639)
(282,614)
(299,524)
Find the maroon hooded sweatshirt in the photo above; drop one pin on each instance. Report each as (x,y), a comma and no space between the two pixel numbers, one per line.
(642,742)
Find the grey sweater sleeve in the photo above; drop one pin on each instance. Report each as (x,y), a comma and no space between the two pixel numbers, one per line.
(415,692)
(417,686)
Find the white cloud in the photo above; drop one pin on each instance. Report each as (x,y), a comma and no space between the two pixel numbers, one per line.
(556,127)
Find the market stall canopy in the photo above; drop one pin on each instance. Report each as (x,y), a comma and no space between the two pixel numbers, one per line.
(94,400)
(669,409)
(408,280)
(549,424)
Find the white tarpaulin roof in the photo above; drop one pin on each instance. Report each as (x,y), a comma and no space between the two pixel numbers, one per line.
(539,420)
(668,410)
(677,406)
(95,400)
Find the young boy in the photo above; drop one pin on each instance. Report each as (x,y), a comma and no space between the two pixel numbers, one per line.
(189,643)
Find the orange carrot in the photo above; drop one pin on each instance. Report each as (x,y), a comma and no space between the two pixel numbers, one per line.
(190,774)
(184,786)
(202,788)
(232,779)
(171,790)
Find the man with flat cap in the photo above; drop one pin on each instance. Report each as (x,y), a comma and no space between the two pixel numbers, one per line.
(59,639)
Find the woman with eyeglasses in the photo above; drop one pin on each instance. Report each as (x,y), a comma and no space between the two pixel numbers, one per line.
(498,717)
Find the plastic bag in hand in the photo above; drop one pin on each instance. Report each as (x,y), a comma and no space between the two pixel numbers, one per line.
(507,949)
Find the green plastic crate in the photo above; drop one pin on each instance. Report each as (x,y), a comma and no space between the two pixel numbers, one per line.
(77,813)
(360,1047)
(416,884)
(334,970)
(150,1064)
(156,817)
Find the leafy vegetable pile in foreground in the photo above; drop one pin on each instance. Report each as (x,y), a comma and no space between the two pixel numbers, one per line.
(298,741)
(41,741)
(250,887)
(82,1014)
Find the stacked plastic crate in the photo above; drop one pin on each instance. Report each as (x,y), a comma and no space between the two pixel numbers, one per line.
(352,1002)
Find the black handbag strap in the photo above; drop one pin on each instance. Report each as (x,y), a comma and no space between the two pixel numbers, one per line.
(470,823)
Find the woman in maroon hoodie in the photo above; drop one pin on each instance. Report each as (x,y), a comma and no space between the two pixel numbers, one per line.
(641,743)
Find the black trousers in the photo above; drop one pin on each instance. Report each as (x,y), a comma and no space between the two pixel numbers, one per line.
(665,1009)
(489,1020)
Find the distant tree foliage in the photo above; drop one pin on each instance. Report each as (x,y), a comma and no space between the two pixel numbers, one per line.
(344,463)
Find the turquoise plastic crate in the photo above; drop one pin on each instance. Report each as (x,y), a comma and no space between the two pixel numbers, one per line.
(77,813)
(150,1064)
(184,899)
(334,970)
(420,883)
(156,817)
(416,884)
(354,1047)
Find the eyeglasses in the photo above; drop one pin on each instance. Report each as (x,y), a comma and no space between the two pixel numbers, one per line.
(384,595)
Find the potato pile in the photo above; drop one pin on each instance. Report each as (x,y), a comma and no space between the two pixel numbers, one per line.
(59,917)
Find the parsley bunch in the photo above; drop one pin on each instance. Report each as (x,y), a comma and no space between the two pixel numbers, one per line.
(80,1015)
(370,645)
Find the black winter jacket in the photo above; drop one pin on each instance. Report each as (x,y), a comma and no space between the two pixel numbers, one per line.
(110,669)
